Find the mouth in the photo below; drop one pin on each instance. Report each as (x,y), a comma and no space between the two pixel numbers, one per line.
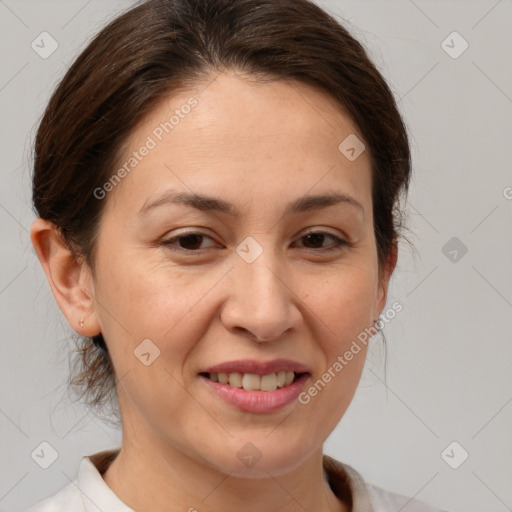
(254,382)
(257,386)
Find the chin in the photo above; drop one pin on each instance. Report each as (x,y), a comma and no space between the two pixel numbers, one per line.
(260,458)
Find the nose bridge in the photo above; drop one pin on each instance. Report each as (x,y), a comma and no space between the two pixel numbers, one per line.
(258,267)
(259,300)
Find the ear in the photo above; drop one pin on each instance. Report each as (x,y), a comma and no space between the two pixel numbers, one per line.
(70,281)
(384,277)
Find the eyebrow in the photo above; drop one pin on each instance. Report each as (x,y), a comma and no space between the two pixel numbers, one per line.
(209,203)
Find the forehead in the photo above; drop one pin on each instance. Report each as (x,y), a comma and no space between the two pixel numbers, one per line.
(243,140)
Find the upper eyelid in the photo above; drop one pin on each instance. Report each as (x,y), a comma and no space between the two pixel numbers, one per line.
(308,231)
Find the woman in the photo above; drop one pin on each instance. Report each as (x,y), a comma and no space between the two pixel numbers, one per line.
(216,184)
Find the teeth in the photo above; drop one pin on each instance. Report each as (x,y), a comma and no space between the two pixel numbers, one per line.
(235,380)
(268,382)
(253,382)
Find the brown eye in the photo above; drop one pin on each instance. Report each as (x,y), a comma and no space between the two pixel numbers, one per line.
(187,242)
(314,241)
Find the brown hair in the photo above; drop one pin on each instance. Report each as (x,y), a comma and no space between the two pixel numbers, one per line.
(161,46)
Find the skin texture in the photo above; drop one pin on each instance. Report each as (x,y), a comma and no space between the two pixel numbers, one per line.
(258,146)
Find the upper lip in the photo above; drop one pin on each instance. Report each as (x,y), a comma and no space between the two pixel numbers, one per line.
(258,367)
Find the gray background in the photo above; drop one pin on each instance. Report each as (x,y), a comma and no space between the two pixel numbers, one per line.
(449,353)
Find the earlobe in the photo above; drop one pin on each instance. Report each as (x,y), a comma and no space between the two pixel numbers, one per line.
(69,279)
(385,276)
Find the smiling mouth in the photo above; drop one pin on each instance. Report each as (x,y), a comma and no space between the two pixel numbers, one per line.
(254,382)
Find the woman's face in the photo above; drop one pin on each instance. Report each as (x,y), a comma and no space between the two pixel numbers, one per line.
(240,280)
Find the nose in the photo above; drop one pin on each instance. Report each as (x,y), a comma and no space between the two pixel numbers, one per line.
(262,303)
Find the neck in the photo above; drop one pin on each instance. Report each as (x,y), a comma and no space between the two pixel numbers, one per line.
(156,478)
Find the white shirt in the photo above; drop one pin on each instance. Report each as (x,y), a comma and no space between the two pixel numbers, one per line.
(90,493)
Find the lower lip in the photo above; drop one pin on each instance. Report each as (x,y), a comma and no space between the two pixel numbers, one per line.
(258,401)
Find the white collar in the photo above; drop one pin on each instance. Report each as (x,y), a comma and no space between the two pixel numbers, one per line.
(97,496)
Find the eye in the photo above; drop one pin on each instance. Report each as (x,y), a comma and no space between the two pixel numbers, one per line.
(187,242)
(318,237)
(191,242)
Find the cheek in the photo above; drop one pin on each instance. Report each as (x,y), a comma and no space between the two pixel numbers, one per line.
(342,312)
(153,301)
(157,316)
(342,304)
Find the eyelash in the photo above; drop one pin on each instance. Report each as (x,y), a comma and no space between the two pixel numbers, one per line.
(340,243)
